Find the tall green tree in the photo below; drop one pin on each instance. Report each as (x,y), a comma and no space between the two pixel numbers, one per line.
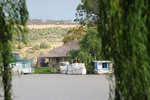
(87,12)
(90,48)
(125,30)
(13,17)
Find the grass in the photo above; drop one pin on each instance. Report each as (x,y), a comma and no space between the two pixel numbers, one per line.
(45,70)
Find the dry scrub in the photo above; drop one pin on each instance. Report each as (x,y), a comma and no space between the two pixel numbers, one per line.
(49,26)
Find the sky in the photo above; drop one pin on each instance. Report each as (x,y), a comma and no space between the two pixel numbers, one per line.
(52,9)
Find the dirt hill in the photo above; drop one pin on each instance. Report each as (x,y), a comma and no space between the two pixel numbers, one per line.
(50,35)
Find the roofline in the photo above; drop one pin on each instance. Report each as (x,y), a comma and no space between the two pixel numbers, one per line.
(54,57)
(103,61)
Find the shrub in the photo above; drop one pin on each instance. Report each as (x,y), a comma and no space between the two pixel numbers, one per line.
(37,47)
(43,45)
(20,46)
(90,69)
(44,70)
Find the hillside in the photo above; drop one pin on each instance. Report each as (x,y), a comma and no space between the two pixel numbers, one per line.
(52,37)
(49,26)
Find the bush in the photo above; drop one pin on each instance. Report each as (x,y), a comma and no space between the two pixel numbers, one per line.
(20,46)
(45,70)
(37,47)
(43,45)
(90,69)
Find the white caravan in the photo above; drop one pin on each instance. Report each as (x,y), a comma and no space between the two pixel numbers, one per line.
(103,67)
(76,69)
(22,67)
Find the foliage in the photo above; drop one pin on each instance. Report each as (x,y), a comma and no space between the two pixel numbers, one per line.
(90,69)
(49,34)
(20,46)
(44,70)
(13,15)
(75,34)
(43,45)
(13,47)
(124,28)
(87,12)
(37,47)
(48,21)
(90,46)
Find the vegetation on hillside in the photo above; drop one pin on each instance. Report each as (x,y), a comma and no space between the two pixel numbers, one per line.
(49,34)
(37,40)
(74,34)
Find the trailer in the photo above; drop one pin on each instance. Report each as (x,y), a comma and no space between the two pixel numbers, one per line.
(103,67)
(76,69)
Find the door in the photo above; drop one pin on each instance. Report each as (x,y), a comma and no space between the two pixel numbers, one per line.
(57,60)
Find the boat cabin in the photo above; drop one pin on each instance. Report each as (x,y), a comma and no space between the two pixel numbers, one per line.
(63,67)
(103,67)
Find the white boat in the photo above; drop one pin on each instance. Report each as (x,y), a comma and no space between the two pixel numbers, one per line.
(63,67)
(103,67)
(76,69)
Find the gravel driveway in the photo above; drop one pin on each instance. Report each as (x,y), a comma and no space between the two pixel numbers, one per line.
(60,87)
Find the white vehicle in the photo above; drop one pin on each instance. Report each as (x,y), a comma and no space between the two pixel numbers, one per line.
(63,67)
(22,67)
(103,67)
(76,69)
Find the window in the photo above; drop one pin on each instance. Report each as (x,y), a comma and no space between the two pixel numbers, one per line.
(24,65)
(104,65)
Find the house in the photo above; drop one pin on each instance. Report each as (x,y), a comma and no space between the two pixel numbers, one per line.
(60,54)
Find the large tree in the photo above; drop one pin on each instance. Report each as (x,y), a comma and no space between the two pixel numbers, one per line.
(87,12)
(90,48)
(125,31)
(13,17)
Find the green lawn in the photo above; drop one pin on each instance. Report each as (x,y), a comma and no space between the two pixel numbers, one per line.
(45,70)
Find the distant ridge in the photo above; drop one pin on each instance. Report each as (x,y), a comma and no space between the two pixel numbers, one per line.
(50,26)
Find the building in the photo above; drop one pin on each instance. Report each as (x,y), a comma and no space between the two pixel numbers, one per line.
(60,54)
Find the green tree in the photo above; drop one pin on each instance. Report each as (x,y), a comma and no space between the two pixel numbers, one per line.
(87,12)
(90,47)
(75,34)
(124,29)
(13,17)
